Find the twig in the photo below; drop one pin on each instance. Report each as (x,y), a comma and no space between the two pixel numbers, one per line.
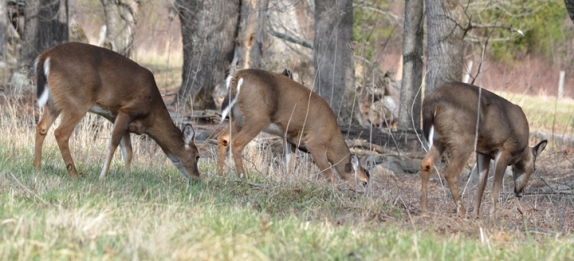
(253,185)
(27,189)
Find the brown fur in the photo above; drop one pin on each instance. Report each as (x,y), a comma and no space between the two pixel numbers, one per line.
(82,76)
(269,98)
(503,132)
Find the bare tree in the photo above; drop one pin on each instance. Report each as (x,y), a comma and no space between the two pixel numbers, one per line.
(121,20)
(445,42)
(412,66)
(208,31)
(46,26)
(249,47)
(570,8)
(3,28)
(333,56)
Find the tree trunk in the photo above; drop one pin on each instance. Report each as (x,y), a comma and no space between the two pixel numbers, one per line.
(333,57)
(445,42)
(208,31)
(3,29)
(121,20)
(410,106)
(249,48)
(570,8)
(46,26)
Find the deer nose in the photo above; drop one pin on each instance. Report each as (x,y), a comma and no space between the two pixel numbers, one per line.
(364,183)
(517,193)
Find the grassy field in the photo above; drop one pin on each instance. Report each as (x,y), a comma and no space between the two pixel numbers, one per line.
(155,214)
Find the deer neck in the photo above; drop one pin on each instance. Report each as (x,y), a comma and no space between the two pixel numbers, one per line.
(168,136)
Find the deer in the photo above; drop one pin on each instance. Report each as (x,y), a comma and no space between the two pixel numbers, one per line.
(500,133)
(262,101)
(75,78)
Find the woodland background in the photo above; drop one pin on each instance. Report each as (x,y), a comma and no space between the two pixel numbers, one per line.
(350,52)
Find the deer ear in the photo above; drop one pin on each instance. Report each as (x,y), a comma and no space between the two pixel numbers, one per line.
(355,162)
(539,147)
(188,133)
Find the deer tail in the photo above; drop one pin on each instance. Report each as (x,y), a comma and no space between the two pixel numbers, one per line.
(429,114)
(42,69)
(233,85)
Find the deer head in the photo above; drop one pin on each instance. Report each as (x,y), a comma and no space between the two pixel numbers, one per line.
(76,78)
(500,133)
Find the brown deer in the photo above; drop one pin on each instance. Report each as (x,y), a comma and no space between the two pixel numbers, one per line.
(273,103)
(450,124)
(76,78)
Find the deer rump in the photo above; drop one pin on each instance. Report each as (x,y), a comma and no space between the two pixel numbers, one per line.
(226,111)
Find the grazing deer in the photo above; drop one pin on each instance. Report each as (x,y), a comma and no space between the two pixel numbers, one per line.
(273,103)
(76,78)
(450,123)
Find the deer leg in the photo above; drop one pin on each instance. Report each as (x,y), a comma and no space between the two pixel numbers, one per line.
(222,148)
(127,151)
(250,128)
(319,154)
(500,163)
(120,128)
(42,128)
(63,132)
(459,158)
(482,165)
(426,167)
(289,154)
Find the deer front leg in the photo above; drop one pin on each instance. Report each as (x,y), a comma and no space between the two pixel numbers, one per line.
(426,167)
(482,165)
(120,128)
(319,154)
(127,151)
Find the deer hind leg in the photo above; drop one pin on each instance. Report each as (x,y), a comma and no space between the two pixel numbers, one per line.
(482,165)
(48,118)
(222,148)
(426,168)
(127,151)
(459,159)
(70,119)
(250,128)
(118,134)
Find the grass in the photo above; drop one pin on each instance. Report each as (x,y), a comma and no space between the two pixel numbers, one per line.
(545,112)
(155,214)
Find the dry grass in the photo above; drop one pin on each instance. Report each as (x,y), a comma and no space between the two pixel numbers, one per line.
(155,214)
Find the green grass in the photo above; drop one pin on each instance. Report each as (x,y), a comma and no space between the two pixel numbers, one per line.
(155,214)
(546,113)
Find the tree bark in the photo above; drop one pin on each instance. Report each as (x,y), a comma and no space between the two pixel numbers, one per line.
(333,56)
(445,42)
(570,8)
(121,20)
(412,66)
(208,29)
(249,47)
(46,26)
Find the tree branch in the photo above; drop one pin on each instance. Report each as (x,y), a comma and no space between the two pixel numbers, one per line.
(290,38)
